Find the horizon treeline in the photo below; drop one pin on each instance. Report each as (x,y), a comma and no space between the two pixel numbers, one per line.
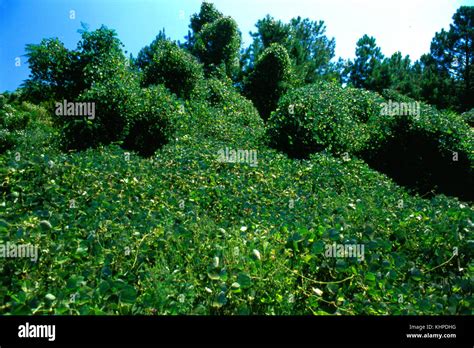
(442,77)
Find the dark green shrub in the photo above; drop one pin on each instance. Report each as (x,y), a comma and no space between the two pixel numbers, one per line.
(219,111)
(468,116)
(269,80)
(217,91)
(151,125)
(115,100)
(429,151)
(317,117)
(15,122)
(138,118)
(172,66)
(3,101)
(12,122)
(13,118)
(121,107)
(421,148)
(7,140)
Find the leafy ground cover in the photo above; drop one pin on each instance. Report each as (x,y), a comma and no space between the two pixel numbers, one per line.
(425,150)
(182,232)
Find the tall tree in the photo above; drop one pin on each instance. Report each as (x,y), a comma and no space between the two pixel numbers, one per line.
(58,73)
(271,31)
(436,85)
(310,49)
(368,56)
(453,53)
(51,70)
(395,72)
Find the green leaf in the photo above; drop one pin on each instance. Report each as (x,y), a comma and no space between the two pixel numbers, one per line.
(244,280)
(128,294)
(370,277)
(318,247)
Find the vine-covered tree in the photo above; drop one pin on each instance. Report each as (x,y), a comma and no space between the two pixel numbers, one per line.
(145,56)
(269,80)
(174,67)
(100,56)
(215,40)
(50,65)
(309,49)
(58,73)
(207,14)
(435,85)
(217,46)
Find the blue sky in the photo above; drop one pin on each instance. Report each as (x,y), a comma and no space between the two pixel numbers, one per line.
(401,25)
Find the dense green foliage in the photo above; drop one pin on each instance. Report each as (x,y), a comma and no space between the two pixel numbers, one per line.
(269,80)
(425,149)
(222,114)
(151,124)
(107,81)
(150,216)
(468,116)
(183,233)
(432,151)
(115,100)
(51,69)
(325,116)
(145,56)
(100,57)
(218,44)
(14,122)
(11,123)
(309,49)
(175,68)
(58,73)
(207,15)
